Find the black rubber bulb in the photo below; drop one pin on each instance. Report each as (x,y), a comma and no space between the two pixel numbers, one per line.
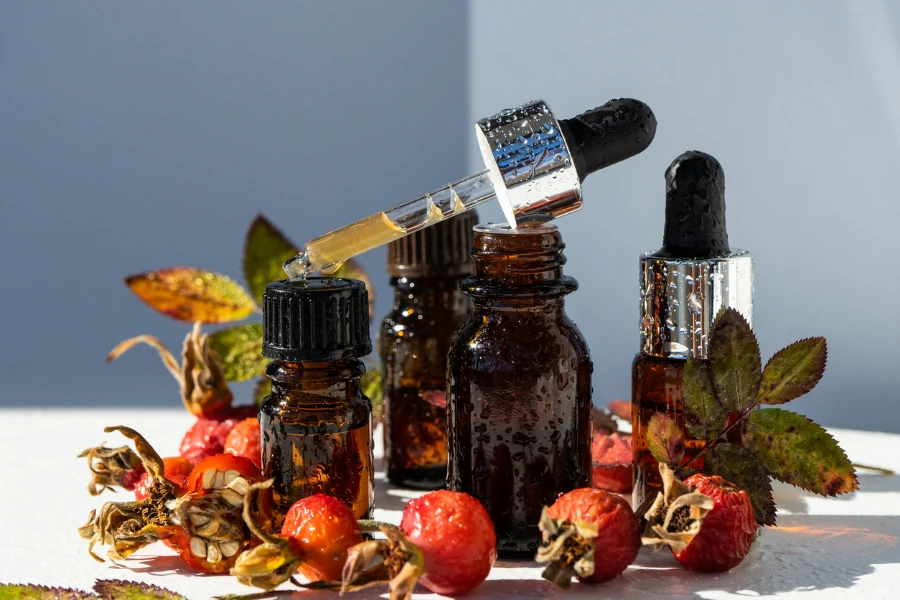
(608,134)
(695,208)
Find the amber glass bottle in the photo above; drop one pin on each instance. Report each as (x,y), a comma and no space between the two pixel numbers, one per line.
(425,270)
(317,423)
(519,380)
(683,286)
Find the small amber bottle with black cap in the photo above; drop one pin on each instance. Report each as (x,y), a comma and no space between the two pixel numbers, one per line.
(684,284)
(426,268)
(519,382)
(317,423)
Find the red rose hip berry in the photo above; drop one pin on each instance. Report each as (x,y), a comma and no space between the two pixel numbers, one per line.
(456,538)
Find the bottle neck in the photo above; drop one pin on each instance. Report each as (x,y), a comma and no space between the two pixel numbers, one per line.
(522,264)
(335,381)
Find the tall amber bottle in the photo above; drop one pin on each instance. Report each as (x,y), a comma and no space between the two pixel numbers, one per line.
(519,380)
(684,284)
(425,268)
(317,423)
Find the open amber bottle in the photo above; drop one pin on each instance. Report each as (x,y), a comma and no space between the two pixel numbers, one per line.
(317,423)
(425,269)
(519,381)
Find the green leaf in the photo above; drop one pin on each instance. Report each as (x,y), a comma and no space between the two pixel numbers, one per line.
(114,589)
(262,389)
(665,440)
(704,417)
(736,364)
(40,592)
(353,270)
(265,250)
(797,451)
(742,468)
(192,295)
(240,349)
(371,386)
(793,371)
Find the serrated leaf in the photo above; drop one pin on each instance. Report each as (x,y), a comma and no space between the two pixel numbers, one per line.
(736,364)
(40,592)
(265,250)
(353,270)
(704,417)
(114,589)
(371,382)
(262,389)
(742,468)
(665,440)
(793,371)
(799,452)
(192,295)
(240,351)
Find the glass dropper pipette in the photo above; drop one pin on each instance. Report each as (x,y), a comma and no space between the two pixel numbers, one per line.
(535,166)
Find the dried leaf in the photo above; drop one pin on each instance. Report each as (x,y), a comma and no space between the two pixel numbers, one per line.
(704,417)
(799,452)
(192,295)
(371,387)
(114,589)
(665,440)
(736,364)
(353,270)
(265,250)
(742,468)
(240,351)
(793,371)
(262,389)
(40,592)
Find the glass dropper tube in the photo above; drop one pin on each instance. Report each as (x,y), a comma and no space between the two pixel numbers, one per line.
(328,252)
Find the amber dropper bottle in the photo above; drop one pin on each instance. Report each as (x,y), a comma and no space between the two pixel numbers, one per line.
(519,381)
(426,268)
(317,423)
(684,284)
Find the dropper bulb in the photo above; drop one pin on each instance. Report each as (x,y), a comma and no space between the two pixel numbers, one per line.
(695,208)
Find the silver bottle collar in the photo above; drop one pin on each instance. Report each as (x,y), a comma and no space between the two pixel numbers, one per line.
(529,163)
(680,299)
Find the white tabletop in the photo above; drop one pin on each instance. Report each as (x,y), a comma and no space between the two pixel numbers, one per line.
(822,548)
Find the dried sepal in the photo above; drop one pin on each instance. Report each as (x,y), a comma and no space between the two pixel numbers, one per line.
(271,563)
(568,547)
(204,389)
(676,515)
(125,527)
(110,468)
(394,560)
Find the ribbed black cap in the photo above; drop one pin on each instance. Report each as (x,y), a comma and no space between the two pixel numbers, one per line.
(439,250)
(316,319)
(695,208)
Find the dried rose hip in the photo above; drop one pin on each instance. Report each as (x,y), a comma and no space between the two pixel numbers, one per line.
(611,458)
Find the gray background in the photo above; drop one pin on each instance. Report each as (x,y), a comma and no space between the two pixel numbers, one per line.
(135,137)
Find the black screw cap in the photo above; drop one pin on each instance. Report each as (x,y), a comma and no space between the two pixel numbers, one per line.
(608,134)
(695,208)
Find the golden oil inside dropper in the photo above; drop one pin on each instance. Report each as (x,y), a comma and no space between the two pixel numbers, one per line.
(328,252)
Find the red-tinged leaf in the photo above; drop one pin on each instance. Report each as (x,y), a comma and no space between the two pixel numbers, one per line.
(793,371)
(665,440)
(736,364)
(41,592)
(353,270)
(621,409)
(704,417)
(113,589)
(799,452)
(436,398)
(192,295)
(265,251)
(240,351)
(742,468)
